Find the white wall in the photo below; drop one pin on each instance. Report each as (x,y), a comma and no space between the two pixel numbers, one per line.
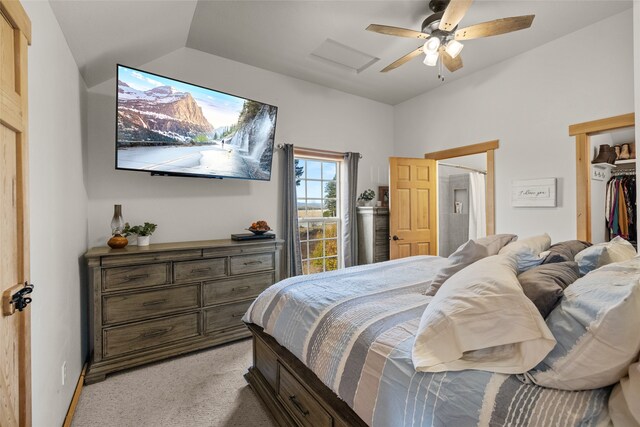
(58,204)
(309,115)
(528,102)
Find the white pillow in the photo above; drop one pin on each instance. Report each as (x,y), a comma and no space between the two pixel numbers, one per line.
(528,252)
(600,254)
(482,320)
(623,403)
(596,325)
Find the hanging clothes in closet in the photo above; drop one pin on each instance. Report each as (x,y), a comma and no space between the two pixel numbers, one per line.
(620,206)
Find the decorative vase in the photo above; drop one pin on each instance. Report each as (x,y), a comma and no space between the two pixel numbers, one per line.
(117,223)
(143,240)
(118,242)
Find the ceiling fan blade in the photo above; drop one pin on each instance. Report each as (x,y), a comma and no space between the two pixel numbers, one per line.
(453,14)
(452,64)
(496,27)
(408,57)
(397,31)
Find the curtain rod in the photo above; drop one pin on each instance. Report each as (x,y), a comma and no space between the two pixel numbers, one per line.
(311,151)
(451,165)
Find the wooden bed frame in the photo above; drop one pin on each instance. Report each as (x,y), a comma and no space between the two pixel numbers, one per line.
(291,392)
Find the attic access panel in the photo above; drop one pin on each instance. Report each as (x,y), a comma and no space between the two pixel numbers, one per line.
(343,56)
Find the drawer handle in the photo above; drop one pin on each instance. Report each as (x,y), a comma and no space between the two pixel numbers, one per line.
(201,270)
(237,315)
(241,288)
(298,405)
(253,263)
(155,333)
(136,277)
(155,302)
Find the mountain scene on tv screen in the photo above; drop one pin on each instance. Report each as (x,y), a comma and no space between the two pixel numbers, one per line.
(168,126)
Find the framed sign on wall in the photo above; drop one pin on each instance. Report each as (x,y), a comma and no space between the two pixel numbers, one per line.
(534,193)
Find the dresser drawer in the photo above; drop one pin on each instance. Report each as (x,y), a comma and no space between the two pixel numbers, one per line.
(225,316)
(300,403)
(122,308)
(147,258)
(250,263)
(125,339)
(200,269)
(235,289)
(135,276)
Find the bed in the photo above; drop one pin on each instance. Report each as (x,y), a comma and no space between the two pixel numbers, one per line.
(334,349)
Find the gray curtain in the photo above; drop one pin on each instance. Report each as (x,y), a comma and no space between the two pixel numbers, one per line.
(349,219)
(291,252)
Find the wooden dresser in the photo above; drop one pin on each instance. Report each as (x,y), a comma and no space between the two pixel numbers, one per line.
(373,234)
(150,303)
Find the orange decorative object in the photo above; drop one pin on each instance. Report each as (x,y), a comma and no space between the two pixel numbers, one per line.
(259,227)
(118,242)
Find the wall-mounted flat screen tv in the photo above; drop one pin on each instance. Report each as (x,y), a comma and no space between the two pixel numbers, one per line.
(168,127)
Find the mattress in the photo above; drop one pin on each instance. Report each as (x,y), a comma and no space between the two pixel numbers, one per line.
(354,328)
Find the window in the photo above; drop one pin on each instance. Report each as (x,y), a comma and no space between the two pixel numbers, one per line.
(317,184)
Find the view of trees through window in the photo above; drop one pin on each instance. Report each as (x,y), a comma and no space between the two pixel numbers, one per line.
(318,222)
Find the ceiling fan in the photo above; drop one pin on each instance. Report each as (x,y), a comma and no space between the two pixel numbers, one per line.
(440,30)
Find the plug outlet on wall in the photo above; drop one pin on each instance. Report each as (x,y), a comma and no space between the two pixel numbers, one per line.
(63,372)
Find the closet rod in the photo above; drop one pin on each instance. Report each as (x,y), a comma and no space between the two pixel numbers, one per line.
(451,165)
(623,173)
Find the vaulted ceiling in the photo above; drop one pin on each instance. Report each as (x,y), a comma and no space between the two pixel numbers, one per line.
(281,36)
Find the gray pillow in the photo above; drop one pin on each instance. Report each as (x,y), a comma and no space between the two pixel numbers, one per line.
(496,242)
(465,255)
(544,284)
(565,251)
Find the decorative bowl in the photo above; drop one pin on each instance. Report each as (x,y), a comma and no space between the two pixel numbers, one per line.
(258,232)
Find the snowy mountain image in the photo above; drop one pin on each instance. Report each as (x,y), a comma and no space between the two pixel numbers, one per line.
(159,115)
(164,125)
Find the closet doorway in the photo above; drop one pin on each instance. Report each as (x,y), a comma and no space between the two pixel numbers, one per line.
(602,210)
(466,184)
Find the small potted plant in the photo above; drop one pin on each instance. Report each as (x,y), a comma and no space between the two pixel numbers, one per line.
(142,232)
(366,197)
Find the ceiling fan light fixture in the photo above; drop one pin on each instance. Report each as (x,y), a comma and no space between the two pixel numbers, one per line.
(431,59)
(454,48)
(432,45)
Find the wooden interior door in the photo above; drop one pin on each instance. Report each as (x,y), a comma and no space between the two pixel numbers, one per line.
(412,207)
(15,339)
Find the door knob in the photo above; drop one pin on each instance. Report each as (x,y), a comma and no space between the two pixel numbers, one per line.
(396,238)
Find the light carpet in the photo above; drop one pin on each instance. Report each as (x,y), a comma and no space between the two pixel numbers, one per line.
(201,389)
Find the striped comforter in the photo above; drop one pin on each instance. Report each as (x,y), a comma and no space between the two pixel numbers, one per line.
(354,328)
